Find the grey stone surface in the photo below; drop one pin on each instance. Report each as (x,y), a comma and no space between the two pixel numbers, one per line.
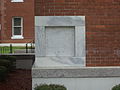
(59,20)
(59,61)
(80,83)
(80,41)
(40,41)
(76,72)
(60,41)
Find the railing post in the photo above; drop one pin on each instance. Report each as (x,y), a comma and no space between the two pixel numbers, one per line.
(31,47)
(26,48)
(11,48)
(1,50)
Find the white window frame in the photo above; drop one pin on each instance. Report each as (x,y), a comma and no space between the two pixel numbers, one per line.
(17,36)
(0,27)
(17,0)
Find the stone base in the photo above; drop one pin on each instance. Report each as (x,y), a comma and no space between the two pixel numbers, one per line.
(80,83)
(78,78)
(59,62)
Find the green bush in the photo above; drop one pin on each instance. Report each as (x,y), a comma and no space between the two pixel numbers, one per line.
(50,87)
(116,87)
(3,73)
(12,59)
(5,63)
(57,87)
(43,87)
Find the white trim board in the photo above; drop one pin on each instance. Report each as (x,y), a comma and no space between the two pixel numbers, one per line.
(14,44)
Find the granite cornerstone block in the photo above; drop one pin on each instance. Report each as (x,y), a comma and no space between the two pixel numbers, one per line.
(60,41)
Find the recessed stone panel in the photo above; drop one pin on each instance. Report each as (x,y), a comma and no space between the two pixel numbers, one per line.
(60,41)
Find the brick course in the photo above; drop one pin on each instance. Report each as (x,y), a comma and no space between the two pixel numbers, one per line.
(102,26)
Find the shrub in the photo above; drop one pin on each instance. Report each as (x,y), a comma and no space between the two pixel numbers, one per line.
(3,73)
(117,87)
(57,87)
(5,63)
(50,87)
(12,59)
(43,87)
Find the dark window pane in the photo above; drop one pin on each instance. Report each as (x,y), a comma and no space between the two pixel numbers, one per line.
(17,21)
(17,30)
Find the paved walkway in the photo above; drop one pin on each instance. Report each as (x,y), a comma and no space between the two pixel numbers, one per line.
(18,80)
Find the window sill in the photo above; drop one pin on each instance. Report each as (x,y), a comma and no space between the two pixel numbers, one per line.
(17,37)
(17,1)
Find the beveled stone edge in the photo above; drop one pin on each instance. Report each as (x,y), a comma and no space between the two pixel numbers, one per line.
(84,72)
(61,20)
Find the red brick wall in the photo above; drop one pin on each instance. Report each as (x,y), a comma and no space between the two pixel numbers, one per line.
(102,26)
(0,20)
(24,9)
(2,11)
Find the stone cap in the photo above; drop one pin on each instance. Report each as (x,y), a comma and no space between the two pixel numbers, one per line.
(76,72)
(59,20)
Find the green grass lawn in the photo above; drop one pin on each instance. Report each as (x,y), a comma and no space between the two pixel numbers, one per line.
(6,49)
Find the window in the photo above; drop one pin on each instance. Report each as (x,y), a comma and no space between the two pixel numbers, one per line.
(17,0)
(17,28)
